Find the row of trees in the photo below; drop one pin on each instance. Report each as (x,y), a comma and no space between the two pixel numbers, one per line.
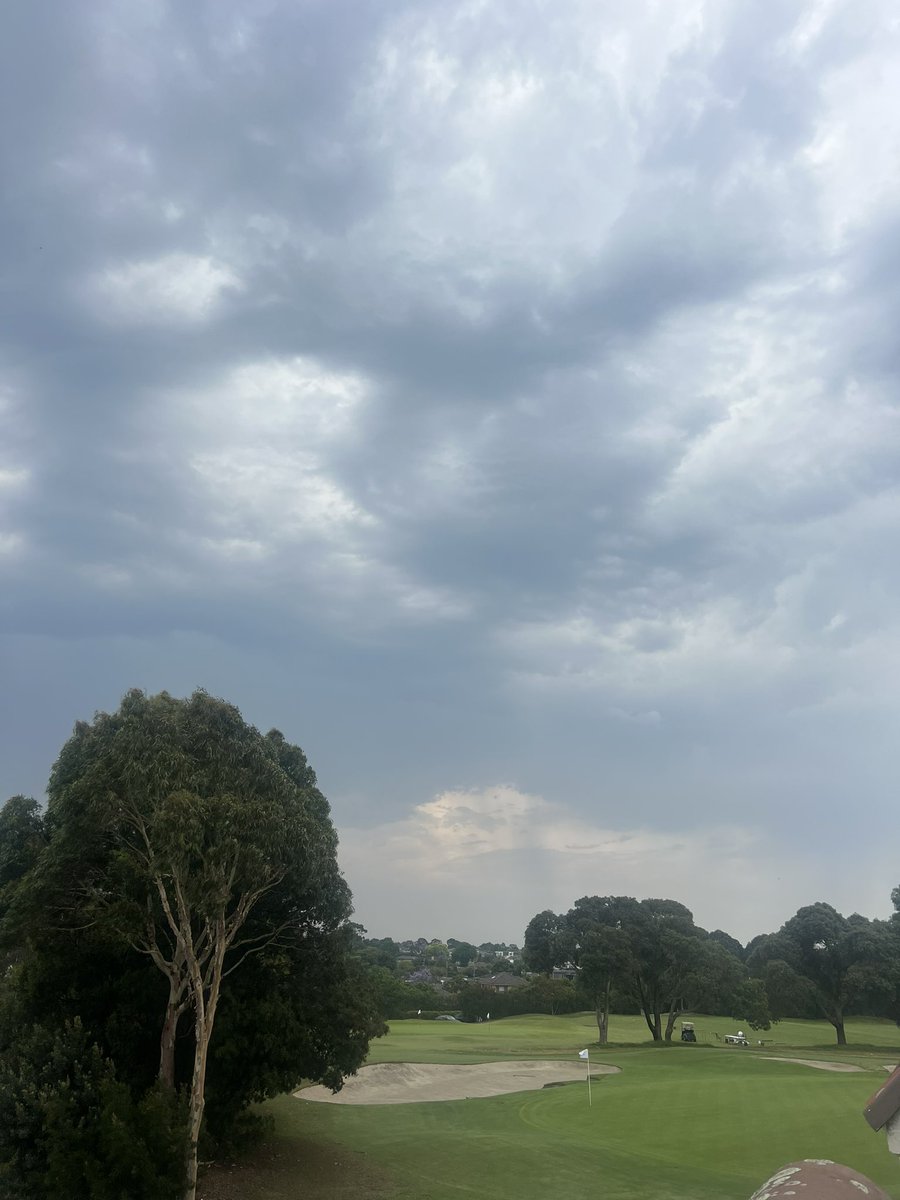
(450,958)
(175,946)
(650,954)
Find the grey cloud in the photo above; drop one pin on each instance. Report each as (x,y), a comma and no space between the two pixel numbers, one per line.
(612,513)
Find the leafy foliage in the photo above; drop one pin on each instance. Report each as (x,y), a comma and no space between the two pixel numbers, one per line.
(602,949)
(549,942)
(826,960)
(649,953)
(552,996)
(395,998)
(463,953)
(183,849)
(69,1127)
(22,838)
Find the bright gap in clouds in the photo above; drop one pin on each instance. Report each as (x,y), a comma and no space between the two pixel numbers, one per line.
(474,861)
(170,290)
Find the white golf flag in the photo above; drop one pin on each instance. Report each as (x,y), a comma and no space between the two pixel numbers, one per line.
(585,1057)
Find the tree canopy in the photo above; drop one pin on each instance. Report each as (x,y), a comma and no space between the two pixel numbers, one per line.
(831,959)
(549,942)
(180,840)
(649,953)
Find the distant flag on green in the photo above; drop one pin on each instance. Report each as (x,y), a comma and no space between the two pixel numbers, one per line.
(585,1056)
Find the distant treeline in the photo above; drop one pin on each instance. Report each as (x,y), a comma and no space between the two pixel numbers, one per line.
(649,957)
(650,954)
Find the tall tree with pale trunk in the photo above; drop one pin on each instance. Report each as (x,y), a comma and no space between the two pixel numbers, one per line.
(189,835)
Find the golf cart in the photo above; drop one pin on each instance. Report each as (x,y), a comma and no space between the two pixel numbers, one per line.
(687,1032)
(736,1039)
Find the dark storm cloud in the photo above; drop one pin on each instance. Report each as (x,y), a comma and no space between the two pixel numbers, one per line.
(519,382)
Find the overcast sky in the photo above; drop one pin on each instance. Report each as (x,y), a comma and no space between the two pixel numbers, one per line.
(498,397)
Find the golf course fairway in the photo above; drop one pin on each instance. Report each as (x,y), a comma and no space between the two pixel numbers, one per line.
(680,1122)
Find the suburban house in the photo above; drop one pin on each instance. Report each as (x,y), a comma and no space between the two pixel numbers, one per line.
(568,971)
(504,982)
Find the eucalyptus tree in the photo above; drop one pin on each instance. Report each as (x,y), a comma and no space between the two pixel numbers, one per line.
(181,832)
(22,839)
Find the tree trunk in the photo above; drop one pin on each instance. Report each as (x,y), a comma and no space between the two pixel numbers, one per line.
(652,1018)
(167,1047)
(670,1021)
(654,1023)
(197,1102)
(203,1027)
(602,1026)
(834,1014)
(174,1009)
(205,996)
(602,1004)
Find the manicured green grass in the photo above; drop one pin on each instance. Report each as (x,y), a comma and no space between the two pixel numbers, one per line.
(515,1037)
(680,1123)
(548,1037)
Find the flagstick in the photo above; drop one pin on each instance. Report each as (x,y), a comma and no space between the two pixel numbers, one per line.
(590,1098)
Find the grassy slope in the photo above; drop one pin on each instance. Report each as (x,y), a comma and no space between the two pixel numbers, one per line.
(683,1121)
(546,1037)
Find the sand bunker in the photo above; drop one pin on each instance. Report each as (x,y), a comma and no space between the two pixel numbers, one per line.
(411,1083)
(812,1062)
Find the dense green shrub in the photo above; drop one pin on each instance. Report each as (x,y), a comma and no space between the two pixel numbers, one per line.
(550,996)
(429,1014)
(69,1128)
(394,998)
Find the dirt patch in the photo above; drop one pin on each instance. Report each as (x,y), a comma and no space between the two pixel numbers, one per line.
(813,1062)
(284,1168)
(411,1083)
